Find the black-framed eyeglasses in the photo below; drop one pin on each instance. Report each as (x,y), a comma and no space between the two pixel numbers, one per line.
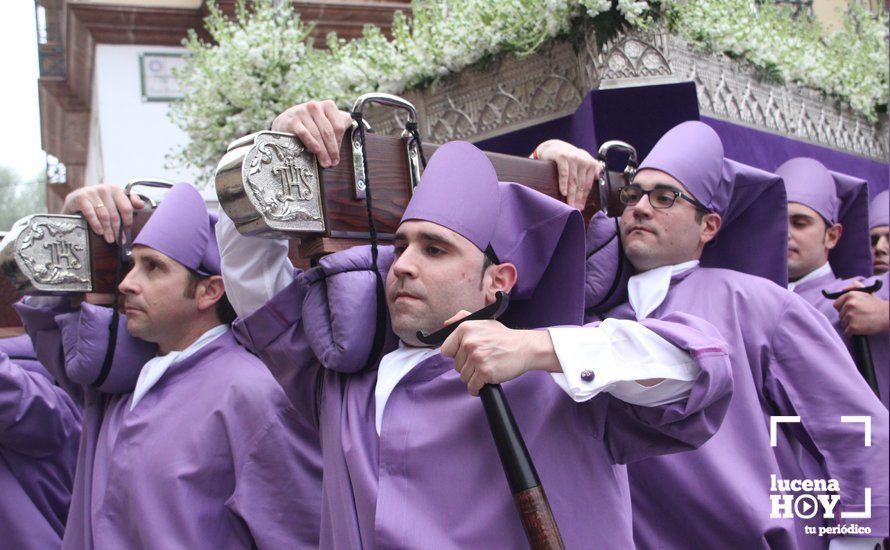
(660,196)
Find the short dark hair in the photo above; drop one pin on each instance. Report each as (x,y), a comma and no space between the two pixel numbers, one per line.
(224,310)
(486,263)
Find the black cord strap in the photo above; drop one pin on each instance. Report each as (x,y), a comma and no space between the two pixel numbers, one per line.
(380,329)
(411,126)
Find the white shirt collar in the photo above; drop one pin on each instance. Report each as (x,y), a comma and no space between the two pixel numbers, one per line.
(647,290)
(814,274)
(393,367)
(155,368)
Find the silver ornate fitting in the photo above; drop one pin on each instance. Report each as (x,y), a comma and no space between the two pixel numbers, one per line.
(268,184)
(48,254)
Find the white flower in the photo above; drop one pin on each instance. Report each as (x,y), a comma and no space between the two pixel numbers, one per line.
(263,61)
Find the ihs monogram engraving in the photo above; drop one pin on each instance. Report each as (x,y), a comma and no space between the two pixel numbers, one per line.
(52,252)
(64,252)
(282,181)
(291,175)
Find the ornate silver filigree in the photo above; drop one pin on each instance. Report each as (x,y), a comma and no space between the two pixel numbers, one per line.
(52,252)
(281,181)
(268,185)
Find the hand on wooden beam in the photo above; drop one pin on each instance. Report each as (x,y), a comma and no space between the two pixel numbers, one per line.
(103,207)
(578,170)
(319,125)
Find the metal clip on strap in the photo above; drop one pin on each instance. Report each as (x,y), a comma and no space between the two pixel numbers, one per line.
(409,134)
(605,182)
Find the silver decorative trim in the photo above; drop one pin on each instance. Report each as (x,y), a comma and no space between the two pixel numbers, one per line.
(50,255)
(269,185)
(513,93)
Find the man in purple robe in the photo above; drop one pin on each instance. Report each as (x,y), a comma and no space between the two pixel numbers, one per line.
(879,227)
(188,442)
(39,432)
(825,226)
(792,378)
(409,460)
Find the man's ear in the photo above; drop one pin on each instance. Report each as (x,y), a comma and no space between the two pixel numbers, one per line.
(500,277)
(833,236)
(712,223)
(209,292)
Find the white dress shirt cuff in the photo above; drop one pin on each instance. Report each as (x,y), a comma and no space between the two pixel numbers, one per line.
(613,356)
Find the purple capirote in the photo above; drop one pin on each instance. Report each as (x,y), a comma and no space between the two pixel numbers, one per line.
(541,236)
(183,229)
(879,210)
(838,198)
(692,153)
(751,202)
(808,182)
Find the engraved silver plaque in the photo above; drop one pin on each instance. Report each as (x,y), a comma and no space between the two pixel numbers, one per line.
(268,184)
(48,254)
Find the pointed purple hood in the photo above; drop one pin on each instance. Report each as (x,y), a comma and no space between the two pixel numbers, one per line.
(542,237)
(692,153)
(754,234)
(182,228)
(838,198)
(879,210)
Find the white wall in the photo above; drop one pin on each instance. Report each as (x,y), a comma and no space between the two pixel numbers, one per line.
(129,137)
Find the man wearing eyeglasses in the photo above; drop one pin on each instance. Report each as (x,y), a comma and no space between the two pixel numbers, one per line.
(787,361)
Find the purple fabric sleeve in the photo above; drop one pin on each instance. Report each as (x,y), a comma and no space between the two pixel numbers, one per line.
(40,325)
(275,333)
(840,445)
(21,352)
(607,269)
(85,339)
(37,418)
(635,432)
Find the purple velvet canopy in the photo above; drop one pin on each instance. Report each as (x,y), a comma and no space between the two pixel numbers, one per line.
(182,229)
(542,237)
(640,115)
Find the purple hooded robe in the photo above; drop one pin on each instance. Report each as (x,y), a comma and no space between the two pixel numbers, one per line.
(786,361)
(214,456)
(39,432)
(840,199)
(432,478)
